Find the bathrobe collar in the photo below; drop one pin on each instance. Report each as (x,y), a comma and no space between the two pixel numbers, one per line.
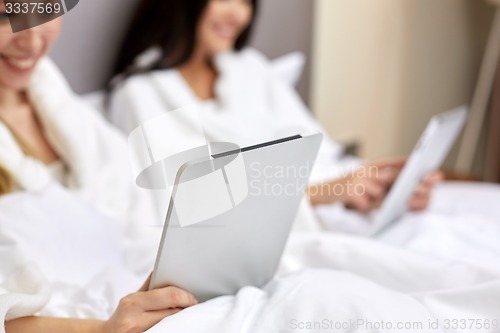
(234,86)
(57,109)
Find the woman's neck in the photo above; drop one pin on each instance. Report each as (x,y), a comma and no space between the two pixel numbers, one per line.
(201,75)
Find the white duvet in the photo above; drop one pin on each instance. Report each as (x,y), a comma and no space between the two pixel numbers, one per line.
(434,271)
(449,269)
(59,256)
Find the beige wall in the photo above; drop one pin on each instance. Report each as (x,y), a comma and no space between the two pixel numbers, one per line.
(382,68)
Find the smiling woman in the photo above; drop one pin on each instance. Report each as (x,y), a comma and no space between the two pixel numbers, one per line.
(201,60)
(221,24)
(51,142)
(20,52)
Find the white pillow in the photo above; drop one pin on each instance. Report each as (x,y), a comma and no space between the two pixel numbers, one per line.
(95,99)
(289,67)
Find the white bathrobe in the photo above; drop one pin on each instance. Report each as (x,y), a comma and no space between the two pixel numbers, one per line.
(99,176)
(253,105)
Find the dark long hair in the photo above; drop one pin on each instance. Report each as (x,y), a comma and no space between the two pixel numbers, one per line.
(170,25)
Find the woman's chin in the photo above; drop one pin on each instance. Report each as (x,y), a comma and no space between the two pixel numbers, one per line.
(14,85)
(222,48)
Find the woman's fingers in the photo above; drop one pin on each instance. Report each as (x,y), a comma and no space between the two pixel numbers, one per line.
(422,190)
(396,163)
(421,196)
(371,187)
(142,310)
(151,318)
(434,177)
(386,177)
(374,189)
(419,203)
(166,298)
(384,172)
(145,286)
(359,203)
(131,322)
(367,195)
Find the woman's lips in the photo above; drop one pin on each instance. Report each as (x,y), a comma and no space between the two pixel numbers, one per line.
(228,32)
(20,64)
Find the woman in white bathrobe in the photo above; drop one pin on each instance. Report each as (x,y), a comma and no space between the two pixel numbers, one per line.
(57,154)
(48,139)
(192,53)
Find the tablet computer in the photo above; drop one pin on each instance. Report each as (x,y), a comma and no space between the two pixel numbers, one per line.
(230,215)
(427,156)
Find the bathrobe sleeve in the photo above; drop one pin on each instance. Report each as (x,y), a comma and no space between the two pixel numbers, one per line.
(294,114)
(22,294)
(134,102)
(121,197)
(122,112)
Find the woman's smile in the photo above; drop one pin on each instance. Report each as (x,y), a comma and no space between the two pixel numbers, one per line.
(19,64)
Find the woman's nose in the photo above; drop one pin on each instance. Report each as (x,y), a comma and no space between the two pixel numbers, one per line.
(239,11)
(29,40)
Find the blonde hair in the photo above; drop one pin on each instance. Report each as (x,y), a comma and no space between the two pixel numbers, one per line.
(6,179)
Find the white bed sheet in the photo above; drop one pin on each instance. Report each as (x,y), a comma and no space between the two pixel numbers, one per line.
(340,280)
(446,268)
(433,267)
